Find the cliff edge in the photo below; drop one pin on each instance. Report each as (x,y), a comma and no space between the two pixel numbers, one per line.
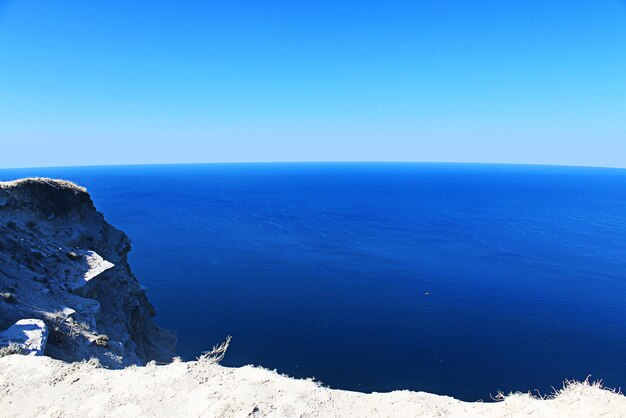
(62,263)
(205,389)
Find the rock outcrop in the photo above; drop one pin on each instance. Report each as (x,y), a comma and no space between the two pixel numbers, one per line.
(62,263)
(29,336)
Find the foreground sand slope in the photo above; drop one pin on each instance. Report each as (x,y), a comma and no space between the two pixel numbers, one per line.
(41,386)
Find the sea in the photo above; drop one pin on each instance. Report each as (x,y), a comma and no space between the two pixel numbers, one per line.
(455,279)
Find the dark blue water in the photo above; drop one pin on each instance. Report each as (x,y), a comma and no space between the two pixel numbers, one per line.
(453,279)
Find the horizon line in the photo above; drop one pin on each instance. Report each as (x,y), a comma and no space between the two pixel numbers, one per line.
(310,162)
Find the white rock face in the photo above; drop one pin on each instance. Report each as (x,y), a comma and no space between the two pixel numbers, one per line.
(29,334)
(94,265)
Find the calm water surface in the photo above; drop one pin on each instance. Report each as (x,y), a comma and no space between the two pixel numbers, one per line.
(452,279)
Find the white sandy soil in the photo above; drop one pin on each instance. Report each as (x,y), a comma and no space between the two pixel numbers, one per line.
(44,387)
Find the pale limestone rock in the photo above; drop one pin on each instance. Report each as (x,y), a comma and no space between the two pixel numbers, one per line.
(29,334)
(63,264)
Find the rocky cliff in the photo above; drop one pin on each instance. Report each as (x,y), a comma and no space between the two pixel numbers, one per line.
(61,262)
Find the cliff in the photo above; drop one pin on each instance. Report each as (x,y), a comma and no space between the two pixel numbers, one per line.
(62,263)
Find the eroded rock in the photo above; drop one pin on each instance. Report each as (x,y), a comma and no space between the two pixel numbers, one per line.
(30,335)
(63,264)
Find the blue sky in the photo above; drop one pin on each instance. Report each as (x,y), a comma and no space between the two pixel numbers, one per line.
(85,83)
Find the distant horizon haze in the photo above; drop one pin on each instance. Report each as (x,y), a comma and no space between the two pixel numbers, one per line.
(381,162)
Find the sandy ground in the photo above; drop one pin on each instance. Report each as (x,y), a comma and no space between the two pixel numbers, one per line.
(43,387)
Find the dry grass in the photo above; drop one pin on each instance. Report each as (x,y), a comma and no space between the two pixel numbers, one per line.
(62,184)
(217,353)
(12,348)
(569,387)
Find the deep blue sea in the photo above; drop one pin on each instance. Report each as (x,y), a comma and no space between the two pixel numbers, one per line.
(454,279)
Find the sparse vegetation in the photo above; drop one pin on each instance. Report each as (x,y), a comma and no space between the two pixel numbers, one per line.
(568,387)
(102,341)
(62,334)
(217,353)
(12,348)
(8,297)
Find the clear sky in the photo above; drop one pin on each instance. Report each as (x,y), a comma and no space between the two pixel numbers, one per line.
(120,82)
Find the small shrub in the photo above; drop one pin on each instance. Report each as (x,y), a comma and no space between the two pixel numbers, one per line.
(102,341)
(217,353)
(12,348)
(8,297)
(12,225)
(61,333)
(31,225)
